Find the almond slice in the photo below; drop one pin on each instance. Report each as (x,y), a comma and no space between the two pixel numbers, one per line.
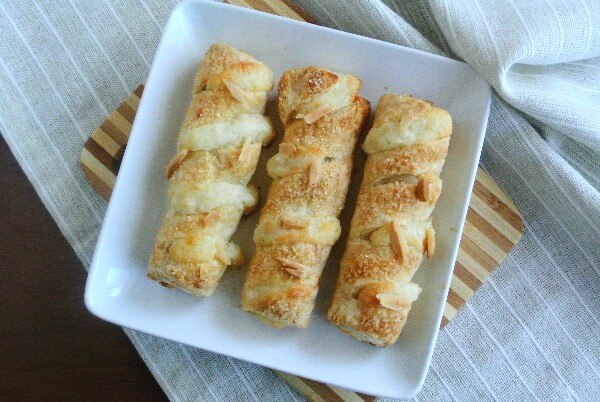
(211,217)
(398,242)
(294,268)
(368,294)
(401,178)
(288,223)
(238,259)
(295,272)
(429,242)
(314,171)
(176,162)
(237,92)
(316,114)
(285,148)
(392,301)
(235,254)
(221,254)
(424,188)
(243,156)
(380,236)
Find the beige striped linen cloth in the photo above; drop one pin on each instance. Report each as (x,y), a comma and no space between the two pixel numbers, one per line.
(530,333)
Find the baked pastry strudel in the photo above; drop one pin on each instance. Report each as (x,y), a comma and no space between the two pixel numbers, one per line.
(323,115)
(391,230)
(218,148)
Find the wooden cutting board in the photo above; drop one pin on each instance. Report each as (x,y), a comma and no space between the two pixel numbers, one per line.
(492,228)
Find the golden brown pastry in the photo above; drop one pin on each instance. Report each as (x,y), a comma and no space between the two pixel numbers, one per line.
(218,149)
(391,229)
(322,114)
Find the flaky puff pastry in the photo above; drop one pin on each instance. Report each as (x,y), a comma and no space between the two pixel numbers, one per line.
(323,115)
(218,148)
(391,230)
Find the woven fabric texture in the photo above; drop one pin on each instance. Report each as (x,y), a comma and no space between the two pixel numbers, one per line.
(530,333)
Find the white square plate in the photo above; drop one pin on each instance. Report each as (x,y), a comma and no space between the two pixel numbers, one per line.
(117,288)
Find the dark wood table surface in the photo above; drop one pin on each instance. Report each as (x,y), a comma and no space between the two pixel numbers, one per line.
(51,347)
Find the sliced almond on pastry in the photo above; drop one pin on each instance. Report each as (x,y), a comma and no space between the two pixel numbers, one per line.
(429,242)
(176,162)
(248,208)
(316,114)
(235,254)
(288,223)
(221,255)
(392,301)
(237,92)
(244,152)
(368,293)
(398,242)
(398,178)
(294,268)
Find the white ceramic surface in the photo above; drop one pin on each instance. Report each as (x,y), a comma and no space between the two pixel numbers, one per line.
(117,288)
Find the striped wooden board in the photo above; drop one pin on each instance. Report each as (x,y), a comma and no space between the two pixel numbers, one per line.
(492,228)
